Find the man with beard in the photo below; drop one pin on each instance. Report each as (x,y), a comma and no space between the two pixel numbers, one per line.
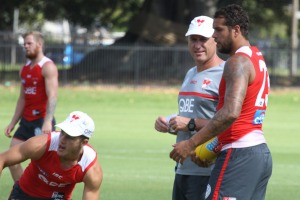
(58,161)
(244,165)
(37,100)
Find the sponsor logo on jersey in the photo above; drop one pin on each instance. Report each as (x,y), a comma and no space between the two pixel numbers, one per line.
(57,175)
(186,105)
(52,183)
(36,112)
(58,196)
(30,90)
(259,117)
(193,82)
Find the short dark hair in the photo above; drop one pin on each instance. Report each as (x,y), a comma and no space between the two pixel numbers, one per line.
(82,137)
(235,15)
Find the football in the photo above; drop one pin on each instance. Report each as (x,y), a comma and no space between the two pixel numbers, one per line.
(208,151)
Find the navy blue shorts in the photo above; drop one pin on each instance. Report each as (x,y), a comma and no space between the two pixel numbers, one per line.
(28,129)
(18,194)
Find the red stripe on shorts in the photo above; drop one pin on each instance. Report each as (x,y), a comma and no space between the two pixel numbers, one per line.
(218,185)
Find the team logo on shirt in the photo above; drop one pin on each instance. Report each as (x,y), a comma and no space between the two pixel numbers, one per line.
(206,82)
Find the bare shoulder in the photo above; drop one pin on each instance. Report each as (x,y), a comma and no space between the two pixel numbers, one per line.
(93,177)
(239,65)
(49,68)
(238,60)
(34,147)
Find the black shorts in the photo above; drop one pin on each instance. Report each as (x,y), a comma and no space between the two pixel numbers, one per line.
(28,129)
(18,194)
(188,187)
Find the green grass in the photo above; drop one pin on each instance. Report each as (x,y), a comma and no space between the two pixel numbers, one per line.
(135,158)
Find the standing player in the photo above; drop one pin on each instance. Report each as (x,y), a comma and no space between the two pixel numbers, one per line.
(197,102)
(244,166)
(37,100)
(59,160)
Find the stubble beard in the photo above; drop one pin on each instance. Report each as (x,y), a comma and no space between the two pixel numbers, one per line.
(226,46)
(32,55)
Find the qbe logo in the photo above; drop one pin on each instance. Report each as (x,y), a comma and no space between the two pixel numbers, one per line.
(186,105)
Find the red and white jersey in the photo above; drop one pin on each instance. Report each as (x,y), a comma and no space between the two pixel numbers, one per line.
(35,92)
(255,102)
(47,175)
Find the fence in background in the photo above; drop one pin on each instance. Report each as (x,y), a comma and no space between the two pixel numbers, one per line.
(130,65)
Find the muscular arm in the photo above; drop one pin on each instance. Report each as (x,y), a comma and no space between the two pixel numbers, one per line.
(92,182)
(237,74)
(31,149)
(50,74)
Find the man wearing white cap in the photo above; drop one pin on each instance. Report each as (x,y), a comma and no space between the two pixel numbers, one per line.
(59,160)
(197,102)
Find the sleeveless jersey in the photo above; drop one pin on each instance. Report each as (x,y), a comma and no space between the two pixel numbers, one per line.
(255,102)
(198,98)
(51,180)
(35,92)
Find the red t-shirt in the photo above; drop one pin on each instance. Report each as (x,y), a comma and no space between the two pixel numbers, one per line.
(44,178)
(35,91)
(255,102)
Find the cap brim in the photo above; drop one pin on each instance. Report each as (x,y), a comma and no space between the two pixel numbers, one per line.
(197,32)
(68,129)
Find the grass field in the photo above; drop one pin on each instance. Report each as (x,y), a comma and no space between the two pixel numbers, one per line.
(135,158)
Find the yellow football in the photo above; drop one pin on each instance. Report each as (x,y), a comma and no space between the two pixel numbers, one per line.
(207,151)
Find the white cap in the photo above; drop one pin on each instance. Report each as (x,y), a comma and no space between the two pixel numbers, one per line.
(201,25)
(77,123)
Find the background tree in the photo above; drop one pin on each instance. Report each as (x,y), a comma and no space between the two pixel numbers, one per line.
(268,17)
(147,22)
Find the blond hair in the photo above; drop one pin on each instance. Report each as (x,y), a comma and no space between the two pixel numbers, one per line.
(38,36)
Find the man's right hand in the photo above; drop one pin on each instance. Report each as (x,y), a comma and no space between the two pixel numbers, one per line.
(8,130)
(161,125)
(199,162)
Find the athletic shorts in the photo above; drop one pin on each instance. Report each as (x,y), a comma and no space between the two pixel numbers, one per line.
(28,129)
(18,194)
(187,187)
(241,173)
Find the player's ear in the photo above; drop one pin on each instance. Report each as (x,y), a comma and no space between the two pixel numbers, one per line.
(85,141)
